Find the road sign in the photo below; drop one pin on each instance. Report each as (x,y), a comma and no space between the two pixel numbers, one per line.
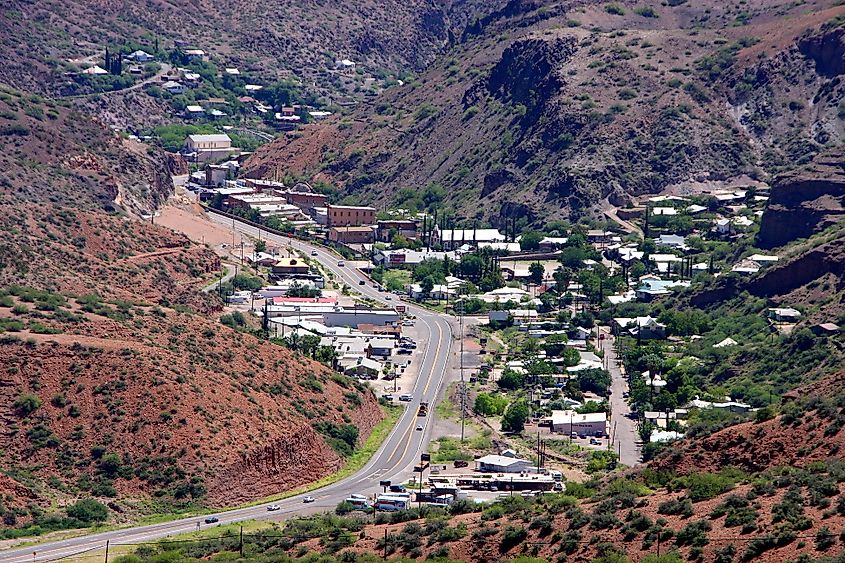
(425,457)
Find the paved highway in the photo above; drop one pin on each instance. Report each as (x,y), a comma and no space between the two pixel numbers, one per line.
(393,461)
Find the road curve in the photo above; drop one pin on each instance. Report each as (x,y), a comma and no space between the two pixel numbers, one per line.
(393,461)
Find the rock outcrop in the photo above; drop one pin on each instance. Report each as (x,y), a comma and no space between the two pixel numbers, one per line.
(805,202)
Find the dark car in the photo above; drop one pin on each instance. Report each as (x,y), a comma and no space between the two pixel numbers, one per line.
(212,520)
(397,489)
(361,282)
(404,351)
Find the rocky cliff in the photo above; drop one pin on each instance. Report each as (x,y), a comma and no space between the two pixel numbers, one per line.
(806,201)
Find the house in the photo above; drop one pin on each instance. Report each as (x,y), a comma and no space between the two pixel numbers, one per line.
(763,259)
(135,69)
(668,211)
(722,226)
(746,267)
(695,209)
(232,71)
(501,464)
(216,175)
(598,236)
(672,241)
(95,71)
(194,54)
(729,405)
(440,292)
(191,77)
(646,328)
(825,329)
(350,215)
(173,87)
(261,259)
(784,315)
(140,56)
(380,347)
(194,112)
(500,317)
(360,366)
(509,247)
(209,147)
(454,238)
(344,64)
(548,244)
(386,230)
(319,115)
(306,200)
(652,287)
(504,294)
(352,235)
(252,88)
(566,422)
(725,343)
(289,267)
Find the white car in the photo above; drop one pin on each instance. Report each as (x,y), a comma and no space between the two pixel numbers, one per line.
(313,253)
(308,499)
(273,508)
(419,426)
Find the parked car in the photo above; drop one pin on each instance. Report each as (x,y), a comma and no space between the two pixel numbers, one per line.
(212,520)
(404,351)
(406,398)
(397,489)
(388,298)
(461,463)
(387,397)
(273,508)
(308,499)
(595,442)
(573,434)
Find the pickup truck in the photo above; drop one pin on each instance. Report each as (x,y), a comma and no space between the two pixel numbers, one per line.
(423,409)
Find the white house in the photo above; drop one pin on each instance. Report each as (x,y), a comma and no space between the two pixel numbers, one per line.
(173,87)
(232,72)
(664,211)
(501,464)
(344,64)
(784,314)
(194,111)
(95,71)
(764,259)
(140,56)
(453,238)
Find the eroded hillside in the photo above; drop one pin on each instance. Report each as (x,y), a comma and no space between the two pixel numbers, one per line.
(552,108)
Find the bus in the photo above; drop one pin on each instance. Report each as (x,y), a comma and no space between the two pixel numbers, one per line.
(358,502)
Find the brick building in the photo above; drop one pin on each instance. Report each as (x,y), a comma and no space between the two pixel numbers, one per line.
(350,216)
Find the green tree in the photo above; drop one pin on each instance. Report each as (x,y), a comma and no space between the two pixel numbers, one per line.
(594,380)
(511,379)
(260,246)
(427,285)
(88,511)
(487,404)
(515,417)
(530,240)
(536,272)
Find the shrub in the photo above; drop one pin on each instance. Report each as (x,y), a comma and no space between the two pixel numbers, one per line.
(694,534)
(26,404)
(646,12)
(614,9)
(825,539)
(512,536)
(681,507)
(705,486)
(88,511)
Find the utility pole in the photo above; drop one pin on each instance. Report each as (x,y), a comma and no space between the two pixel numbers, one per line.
(242,542)
(384,556)
(463,384)
(107,551)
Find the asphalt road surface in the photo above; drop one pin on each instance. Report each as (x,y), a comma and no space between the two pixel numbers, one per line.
(393,461)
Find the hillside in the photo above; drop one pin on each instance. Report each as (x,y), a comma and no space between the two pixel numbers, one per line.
(270,37)
(553,108)
(769,490)
(120,382)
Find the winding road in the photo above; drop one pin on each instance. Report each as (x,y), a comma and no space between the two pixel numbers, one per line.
(393,461)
